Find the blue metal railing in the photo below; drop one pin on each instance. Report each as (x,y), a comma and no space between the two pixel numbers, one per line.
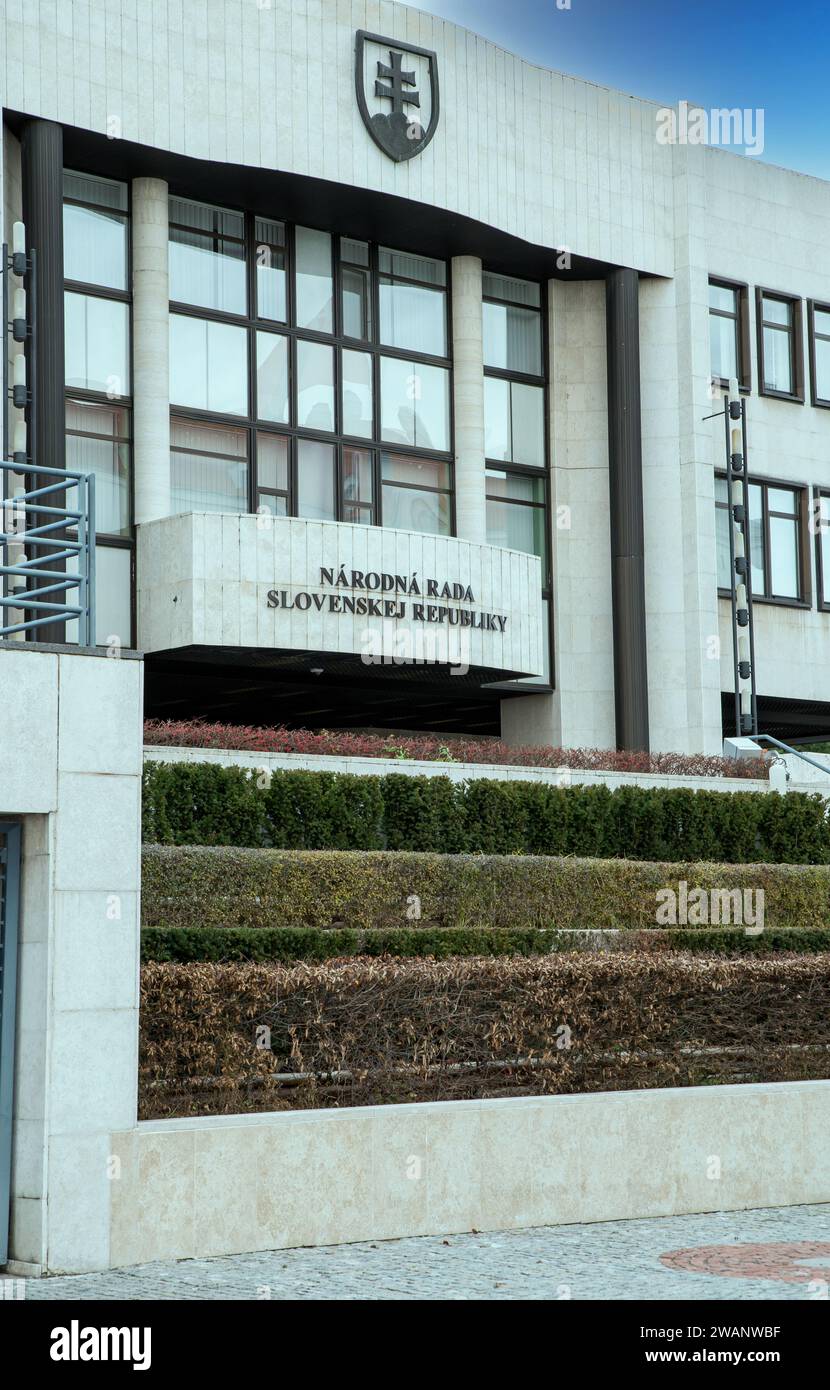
(34,533)
(794,752)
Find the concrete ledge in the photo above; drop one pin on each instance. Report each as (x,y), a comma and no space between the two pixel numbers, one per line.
(230,1184)
(456,772)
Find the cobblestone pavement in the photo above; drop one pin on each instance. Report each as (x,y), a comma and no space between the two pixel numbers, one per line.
(608,1260)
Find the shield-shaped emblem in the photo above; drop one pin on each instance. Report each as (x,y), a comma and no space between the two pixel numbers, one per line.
(397,92)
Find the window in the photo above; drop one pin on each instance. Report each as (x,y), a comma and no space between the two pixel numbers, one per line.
(207,256)
(208,365)
(270,269)
(778,564)
(95,226)
(821,526)
(780,351)
(416,494)
(515,434)
(97,344)
(512,331)
(98,418)
(316,496)
(314,280)
(413,309)
(272,474)
(516,513)
(209,467)
(302,354)
(98,441)
(729,332)
(415,404)
(818,319)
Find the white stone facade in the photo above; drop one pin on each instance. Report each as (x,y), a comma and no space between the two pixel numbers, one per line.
(545,158)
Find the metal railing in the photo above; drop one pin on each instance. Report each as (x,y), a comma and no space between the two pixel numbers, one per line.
(35,533)
(805,757)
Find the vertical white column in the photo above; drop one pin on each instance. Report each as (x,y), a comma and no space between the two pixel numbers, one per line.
(151,383)
(468,398)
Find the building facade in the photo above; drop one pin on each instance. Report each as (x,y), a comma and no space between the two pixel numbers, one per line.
(396,360)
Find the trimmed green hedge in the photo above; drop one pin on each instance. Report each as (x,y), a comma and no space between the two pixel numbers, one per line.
(193,888)
(289,944)
(201,804)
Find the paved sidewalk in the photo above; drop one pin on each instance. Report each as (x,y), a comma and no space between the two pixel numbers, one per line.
(608,1260)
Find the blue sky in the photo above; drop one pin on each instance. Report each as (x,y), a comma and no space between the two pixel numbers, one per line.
(718,53)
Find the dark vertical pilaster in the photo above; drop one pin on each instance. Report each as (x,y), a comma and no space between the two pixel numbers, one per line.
(42,167)
(625,464)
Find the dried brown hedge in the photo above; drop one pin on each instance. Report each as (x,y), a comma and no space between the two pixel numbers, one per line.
(374,1031)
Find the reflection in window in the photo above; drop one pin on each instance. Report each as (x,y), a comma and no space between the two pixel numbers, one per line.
(516,513)
(207,256)
(411,500)
(97,346)
(413,313)
(357,394)
(95,230)
(315,385)
(415,404)
(724,331)
(270,269)
(272,377)
(315,480)
(208,467)
(514,421)
(775,539)
(314,280)
(272,474)
(208,365)
(821,354)
(97,441)
(356,283)
(358,485)
(778,336)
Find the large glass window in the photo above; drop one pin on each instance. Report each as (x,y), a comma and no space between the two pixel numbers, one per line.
(274,325)
(95,230)
(97,344)
(315,302)
(316,496)
(416,494)
(208,365)
(779,345)
(207,256)
(512,325)
(98,441)
(413,310)
(98,386)
(415,404)
(821,526)
(516,513)
(208,467)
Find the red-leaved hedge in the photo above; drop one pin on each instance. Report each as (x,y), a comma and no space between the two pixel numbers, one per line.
(198,733)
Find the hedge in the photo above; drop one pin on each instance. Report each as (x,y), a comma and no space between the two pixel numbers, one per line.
(197,888)
(290,944)
(245,1036)
(447,748)
(201,804)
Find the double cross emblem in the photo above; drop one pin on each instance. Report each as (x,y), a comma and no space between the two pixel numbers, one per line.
(405,128)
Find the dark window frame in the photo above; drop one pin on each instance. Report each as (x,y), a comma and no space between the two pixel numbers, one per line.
(530,470)
(742,330)
(339,341)
(816,306)
(86,397)
(819,526)
(796,337)
(802,519)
